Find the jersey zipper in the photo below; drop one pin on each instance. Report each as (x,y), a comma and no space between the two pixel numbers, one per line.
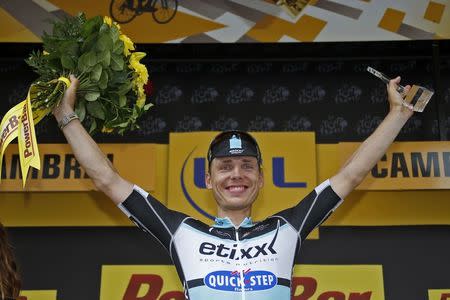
(241,270)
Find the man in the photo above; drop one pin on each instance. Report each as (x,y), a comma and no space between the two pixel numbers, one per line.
(234,258)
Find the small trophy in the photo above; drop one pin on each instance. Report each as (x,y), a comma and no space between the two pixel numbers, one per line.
(416,98)
(293,7)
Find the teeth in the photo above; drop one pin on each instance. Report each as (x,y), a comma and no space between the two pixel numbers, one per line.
(236,188)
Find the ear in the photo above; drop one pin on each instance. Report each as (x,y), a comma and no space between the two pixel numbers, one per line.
(208,181)
(261,178)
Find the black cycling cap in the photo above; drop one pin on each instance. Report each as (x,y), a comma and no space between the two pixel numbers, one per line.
(234,143)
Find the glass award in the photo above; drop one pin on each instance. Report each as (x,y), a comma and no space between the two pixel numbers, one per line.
(416,98)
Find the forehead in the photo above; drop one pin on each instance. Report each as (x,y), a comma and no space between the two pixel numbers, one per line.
(234,159)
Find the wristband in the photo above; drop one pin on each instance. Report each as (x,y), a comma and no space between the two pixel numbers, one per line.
(67,119)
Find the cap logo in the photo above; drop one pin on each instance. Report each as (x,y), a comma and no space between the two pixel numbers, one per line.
(235,145)
(235,142)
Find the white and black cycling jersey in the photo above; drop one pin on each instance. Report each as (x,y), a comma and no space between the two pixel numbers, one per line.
(253,261)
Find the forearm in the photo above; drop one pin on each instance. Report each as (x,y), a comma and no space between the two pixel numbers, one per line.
(375,146)
(95,162)
(87,152)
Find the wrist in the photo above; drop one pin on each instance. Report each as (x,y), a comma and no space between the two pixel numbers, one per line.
(67,119)
(61,111)
(401,111)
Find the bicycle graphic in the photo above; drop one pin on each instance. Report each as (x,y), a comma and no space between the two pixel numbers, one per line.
(124,11)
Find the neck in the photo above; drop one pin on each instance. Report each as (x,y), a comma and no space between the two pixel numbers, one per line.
(236,216)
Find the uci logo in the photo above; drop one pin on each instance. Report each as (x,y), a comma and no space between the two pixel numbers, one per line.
(278,179)
(234,281)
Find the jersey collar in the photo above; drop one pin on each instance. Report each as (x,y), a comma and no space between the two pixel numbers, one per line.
(227,223)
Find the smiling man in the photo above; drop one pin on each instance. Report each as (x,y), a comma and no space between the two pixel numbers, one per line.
(234,258)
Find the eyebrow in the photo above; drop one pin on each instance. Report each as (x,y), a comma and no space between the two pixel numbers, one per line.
(224,161)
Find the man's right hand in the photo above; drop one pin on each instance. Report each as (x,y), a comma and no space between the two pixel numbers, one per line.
(67,103)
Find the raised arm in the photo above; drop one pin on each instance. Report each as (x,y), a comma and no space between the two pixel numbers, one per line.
(87,152)
(374,147)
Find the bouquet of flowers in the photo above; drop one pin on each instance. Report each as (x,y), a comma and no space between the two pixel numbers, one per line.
(111,95)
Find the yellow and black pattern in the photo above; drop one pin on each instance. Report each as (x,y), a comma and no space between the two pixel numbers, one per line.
(230,21)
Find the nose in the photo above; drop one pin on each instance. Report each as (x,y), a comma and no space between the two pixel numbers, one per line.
(236,173)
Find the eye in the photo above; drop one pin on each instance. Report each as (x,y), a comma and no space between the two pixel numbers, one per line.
(225,167)
(248,166)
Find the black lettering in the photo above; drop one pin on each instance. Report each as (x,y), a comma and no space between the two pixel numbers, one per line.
(432,162)
(15,167)
(71,164)
(233,251)
(3,176)
(219,250)
(446,159)
(34,173)
(399,165)
(50,168)
(15,171)
(245,253)
(376,173)
(260,249)
(207,248)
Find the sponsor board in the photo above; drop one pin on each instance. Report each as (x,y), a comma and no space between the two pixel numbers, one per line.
(338,282)
(38,295)
(407,166)
(61,172)
(439,294)
(289,166)
(135,282)
(309,282)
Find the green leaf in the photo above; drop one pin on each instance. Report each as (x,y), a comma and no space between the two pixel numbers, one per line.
(80,110)
(87,61)
(92,96)
(96,110)
(70,48)
(89,43)
(106,58)
(82,65)
(91,58)
(124,88)
(104,28)
(122,100)
(114,33)
(147,106)
(96,72)
(123,125)
(119,77)
(104,42)
(103,82)
(93,126)
(117,62)
(118,47)
(135,114)
(91,26)
(68,62)
(55,64)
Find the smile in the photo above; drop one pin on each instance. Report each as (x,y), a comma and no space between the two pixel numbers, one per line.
(236,188)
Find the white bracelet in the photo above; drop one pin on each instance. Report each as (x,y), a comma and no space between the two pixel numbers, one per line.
(67,119)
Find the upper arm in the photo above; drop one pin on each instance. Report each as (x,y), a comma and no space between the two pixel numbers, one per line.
(152,216)
(312,210)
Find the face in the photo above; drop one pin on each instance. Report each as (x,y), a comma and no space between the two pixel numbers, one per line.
(235,181)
